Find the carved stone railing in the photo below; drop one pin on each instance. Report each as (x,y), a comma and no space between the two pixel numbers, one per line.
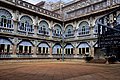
(32,7)
(7,27)
(82,11)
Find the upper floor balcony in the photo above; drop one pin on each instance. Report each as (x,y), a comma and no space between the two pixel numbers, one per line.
(25,29)
(91,9)
(31,7)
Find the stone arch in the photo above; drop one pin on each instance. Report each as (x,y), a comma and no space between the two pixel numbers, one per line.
(83,28)
(43,44)
(25,47)
(5,45)
(27,18)
(4,40)
(57,49)
(84,48)
(5,13)
(69,30)
(6,19)
(69,49)
(57,31)
(26,24)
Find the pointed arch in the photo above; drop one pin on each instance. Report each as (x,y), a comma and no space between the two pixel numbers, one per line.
(83,45)
(69,31)
(25,43)
(57,30)
(4,40)
(43,44)
(57,49)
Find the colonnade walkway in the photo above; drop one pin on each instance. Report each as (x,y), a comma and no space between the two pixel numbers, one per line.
(50,70)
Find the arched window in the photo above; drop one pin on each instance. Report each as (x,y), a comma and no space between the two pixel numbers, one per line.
(43,48)
(69,31)
(69,49)
(6,19)
(5,46)
(57,49)
(83,28)
(26,24)
(43,28)
(57,30)
(25,47)
(84,48)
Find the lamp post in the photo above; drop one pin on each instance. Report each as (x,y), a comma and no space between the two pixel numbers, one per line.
(62,15)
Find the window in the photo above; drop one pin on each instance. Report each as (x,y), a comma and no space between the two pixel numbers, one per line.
(71,50)
(83,28)
(8,48)
(83,50)
(26,24)
(5,19)
(29,49)
(79,50)
(43,28)
(57,30)
(87,50)
(43,50)
(69,31)
(25,49)
(58,51)
(39,50)
(2,48)
(20,49)
(47,50)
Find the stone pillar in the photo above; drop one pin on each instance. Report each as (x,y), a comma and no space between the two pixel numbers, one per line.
(75,51)
(50,51)
(75,31)
(92,51)
(16,21)
(50,32)
(14,49)
(35,50)
(91,26)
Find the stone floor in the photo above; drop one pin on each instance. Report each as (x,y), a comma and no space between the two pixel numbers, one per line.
(58,71)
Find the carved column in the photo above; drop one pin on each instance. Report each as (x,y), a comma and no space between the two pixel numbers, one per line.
(16,21)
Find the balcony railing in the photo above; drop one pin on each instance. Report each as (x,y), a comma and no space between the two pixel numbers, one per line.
(34,8)
(69,35)
(57,35)
(7,27)
(86,10)
(44,33)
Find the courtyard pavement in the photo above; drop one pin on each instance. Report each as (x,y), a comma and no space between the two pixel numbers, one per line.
(58,71)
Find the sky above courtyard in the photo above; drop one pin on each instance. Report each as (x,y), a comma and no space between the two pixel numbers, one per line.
(36,1)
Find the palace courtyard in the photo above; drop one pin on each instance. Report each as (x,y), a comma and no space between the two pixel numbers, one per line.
(55,70)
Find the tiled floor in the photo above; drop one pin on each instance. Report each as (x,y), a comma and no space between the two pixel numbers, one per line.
(58,71)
